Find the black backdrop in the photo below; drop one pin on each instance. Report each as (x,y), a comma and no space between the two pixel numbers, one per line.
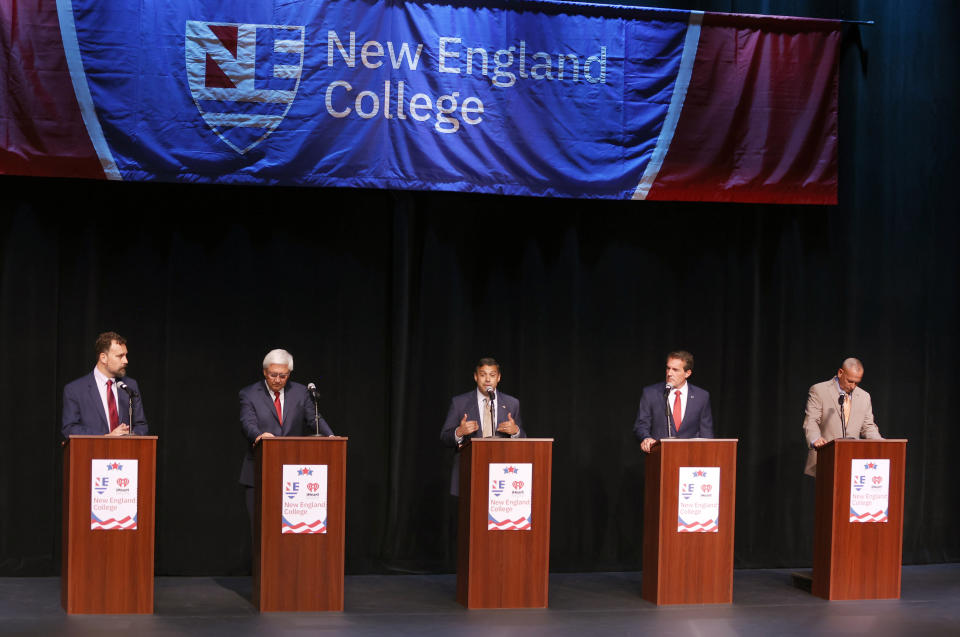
(386,299)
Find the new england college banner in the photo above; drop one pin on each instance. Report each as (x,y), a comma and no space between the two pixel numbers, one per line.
(525,98)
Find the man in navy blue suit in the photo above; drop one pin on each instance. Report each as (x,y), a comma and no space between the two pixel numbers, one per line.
(469,415)
(275,406)
(688,405)
(98,403)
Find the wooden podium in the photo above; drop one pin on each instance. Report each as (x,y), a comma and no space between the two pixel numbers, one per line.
(685,567)
(298,571)
(503,569)
(107,571)
(856,560)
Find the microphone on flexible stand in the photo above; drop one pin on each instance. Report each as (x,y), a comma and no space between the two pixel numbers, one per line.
(312,390)
(843,421)
(666,405)
(131,394)
(492,396)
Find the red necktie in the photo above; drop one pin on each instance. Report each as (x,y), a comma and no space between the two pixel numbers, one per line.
(276,403)
(112,407)
(676,411)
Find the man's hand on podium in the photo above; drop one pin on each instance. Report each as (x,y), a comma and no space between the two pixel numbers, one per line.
(122,430)
(647,444)
(509,426)
(466,428)
(265,434)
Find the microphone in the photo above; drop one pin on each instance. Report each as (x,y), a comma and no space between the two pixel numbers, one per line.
(312,390)
(491,394)
(843,422)
(125,387)
(666,405)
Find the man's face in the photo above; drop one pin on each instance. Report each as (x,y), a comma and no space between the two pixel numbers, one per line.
(849,379)
(276,376)
(114,361)
(486,376)
(676,374)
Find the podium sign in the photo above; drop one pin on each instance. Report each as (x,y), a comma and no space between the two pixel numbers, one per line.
(510,497)
(304,498)
(299,530)
(503,540)
(109,491)
(858,521)
(688,511)
(113,494)
(699,502)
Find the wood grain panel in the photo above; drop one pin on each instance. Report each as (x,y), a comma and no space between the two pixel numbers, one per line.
(687,568)
(298,572)
(856,560)
(107,572)
(503,569)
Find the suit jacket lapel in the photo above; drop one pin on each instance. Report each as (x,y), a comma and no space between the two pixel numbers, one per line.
(123,407)
(856,412)
(501,412)
(473,413)
(691,405)
(268,397)
(94,395)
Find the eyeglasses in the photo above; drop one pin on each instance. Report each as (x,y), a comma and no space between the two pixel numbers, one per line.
(276,376)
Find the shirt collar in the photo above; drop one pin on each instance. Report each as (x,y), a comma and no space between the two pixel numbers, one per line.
(270,391)
(101,378)
(836,381)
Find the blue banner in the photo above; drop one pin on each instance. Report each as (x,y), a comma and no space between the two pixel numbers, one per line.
(401,95)
(545,98)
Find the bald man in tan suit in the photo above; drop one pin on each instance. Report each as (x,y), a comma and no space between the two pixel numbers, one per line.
(821,424)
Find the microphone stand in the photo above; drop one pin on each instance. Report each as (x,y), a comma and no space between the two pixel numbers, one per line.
(130,396)
(843,420)
(493,415)
(668,412)
(316,415)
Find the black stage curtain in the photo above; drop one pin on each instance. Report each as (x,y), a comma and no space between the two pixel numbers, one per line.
(387,299)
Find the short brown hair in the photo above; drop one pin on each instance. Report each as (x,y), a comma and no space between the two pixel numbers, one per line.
(488,360)
(685,356)
(105,340)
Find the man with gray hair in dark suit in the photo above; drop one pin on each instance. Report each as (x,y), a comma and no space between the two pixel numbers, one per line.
(275,406)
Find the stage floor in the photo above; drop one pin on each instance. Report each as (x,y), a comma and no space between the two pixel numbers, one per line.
(765,602)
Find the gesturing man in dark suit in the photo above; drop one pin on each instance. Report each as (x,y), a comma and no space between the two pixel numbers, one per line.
(470,414)
(689,406)
(97,404)
(275,406)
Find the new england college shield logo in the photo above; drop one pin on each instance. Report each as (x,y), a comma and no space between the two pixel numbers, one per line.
(243,77)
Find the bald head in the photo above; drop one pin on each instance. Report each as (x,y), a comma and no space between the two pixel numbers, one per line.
(850,374)
(852,365)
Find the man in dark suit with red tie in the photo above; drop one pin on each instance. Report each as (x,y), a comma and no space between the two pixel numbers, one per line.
(275,406)
(99,403)
(689,406)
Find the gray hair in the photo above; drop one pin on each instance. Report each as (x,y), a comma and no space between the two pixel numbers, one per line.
(278,357)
